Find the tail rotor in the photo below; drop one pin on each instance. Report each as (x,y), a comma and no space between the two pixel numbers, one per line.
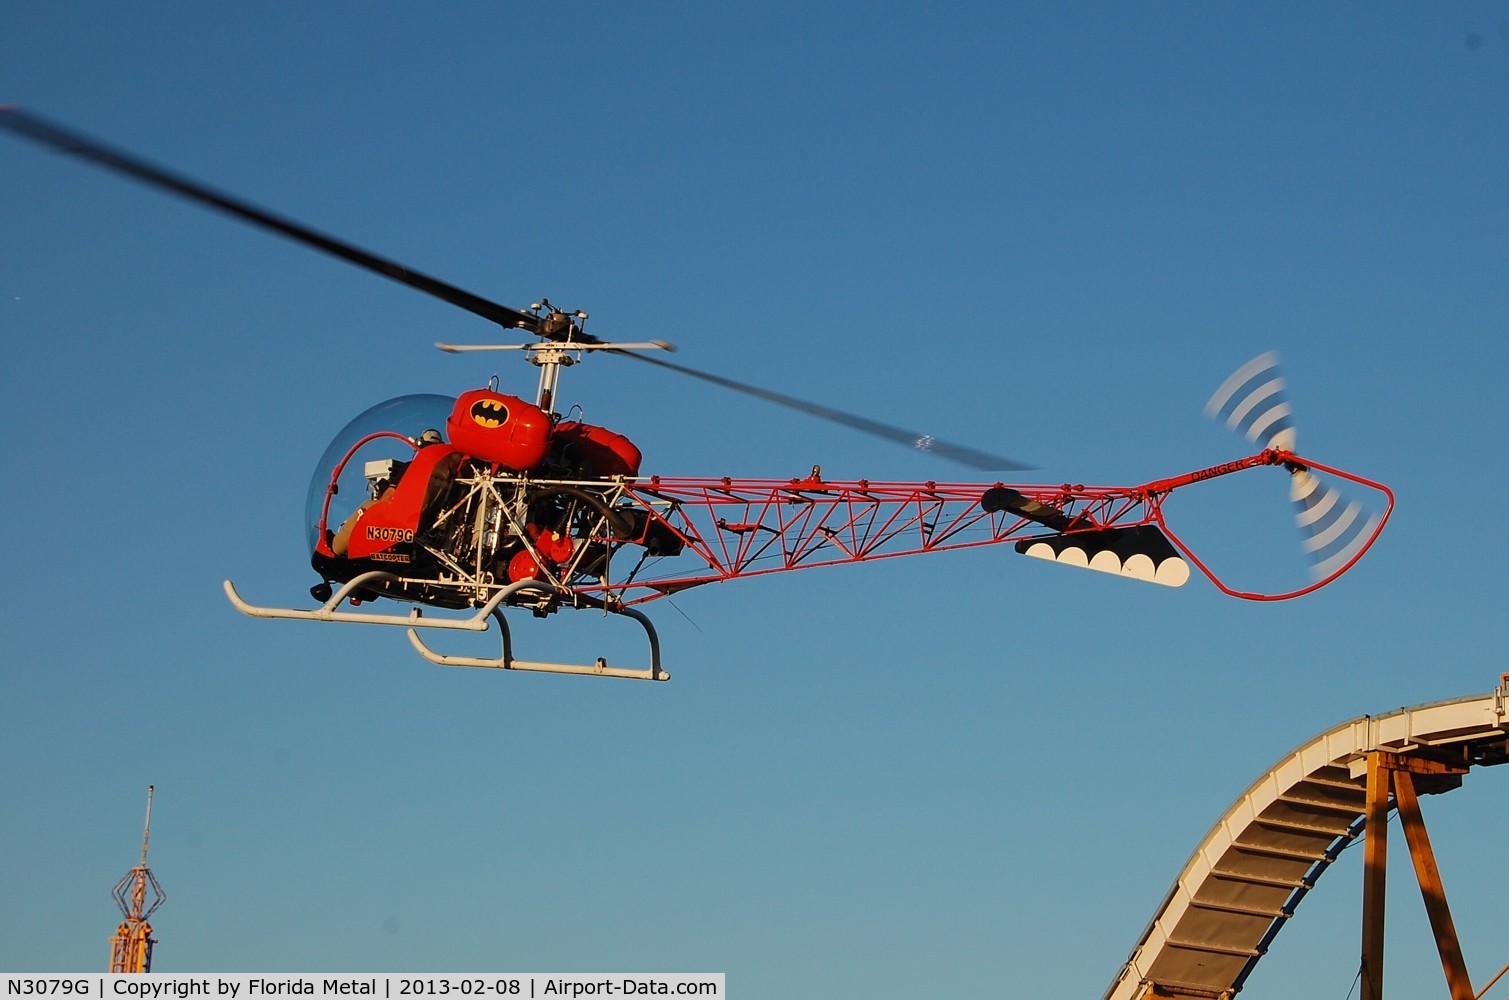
(1334,530)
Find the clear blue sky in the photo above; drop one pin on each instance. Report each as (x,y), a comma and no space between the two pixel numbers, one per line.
(1048,230)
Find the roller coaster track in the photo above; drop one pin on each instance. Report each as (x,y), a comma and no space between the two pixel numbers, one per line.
(1257,863)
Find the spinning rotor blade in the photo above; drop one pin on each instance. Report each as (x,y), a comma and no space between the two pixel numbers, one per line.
(41,130)
(553,326)
(963,454)
(1334,529)
(1253,402)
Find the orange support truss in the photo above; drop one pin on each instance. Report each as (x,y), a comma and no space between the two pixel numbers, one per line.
(131,947)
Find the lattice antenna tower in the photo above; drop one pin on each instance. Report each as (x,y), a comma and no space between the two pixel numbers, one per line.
(131,948)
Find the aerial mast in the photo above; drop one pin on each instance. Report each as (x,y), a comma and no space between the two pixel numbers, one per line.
(131,948)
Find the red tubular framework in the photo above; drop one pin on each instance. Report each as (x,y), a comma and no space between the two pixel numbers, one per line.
(743,528)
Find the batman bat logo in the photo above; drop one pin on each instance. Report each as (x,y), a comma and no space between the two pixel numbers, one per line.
(489,413)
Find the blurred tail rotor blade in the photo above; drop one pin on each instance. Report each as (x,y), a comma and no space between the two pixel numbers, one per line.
(1253,403)
(1333,529)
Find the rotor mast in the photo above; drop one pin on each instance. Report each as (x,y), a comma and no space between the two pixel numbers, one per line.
(131,947)
(561,345)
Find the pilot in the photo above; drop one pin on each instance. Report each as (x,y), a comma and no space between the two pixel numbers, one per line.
(340,541)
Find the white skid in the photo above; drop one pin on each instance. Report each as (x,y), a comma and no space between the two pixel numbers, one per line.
(330,610)
(478,622)
(507,661)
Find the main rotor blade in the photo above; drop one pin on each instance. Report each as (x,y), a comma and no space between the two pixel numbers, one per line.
(49,133)
(964,455)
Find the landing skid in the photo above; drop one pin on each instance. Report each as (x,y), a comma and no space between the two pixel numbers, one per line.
(332,611)
(509,662)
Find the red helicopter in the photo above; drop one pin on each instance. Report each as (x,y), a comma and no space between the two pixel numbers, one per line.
(488,501)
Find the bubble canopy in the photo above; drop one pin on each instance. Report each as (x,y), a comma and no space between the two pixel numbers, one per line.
(409,415)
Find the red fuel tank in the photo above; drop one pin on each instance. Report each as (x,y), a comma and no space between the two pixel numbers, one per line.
(493,427)
(606,452)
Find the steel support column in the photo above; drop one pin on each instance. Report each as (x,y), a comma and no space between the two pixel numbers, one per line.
(1374,876)
(1392,774)
(1434,893)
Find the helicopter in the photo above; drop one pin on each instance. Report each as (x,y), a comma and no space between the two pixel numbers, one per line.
(486,500)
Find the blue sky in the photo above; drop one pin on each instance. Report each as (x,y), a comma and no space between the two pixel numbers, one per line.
(1047,230)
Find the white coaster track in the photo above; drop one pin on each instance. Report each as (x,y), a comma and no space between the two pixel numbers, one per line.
(1255,866)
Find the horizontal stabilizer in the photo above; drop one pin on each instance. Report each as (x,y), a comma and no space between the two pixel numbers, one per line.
(1138,553)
